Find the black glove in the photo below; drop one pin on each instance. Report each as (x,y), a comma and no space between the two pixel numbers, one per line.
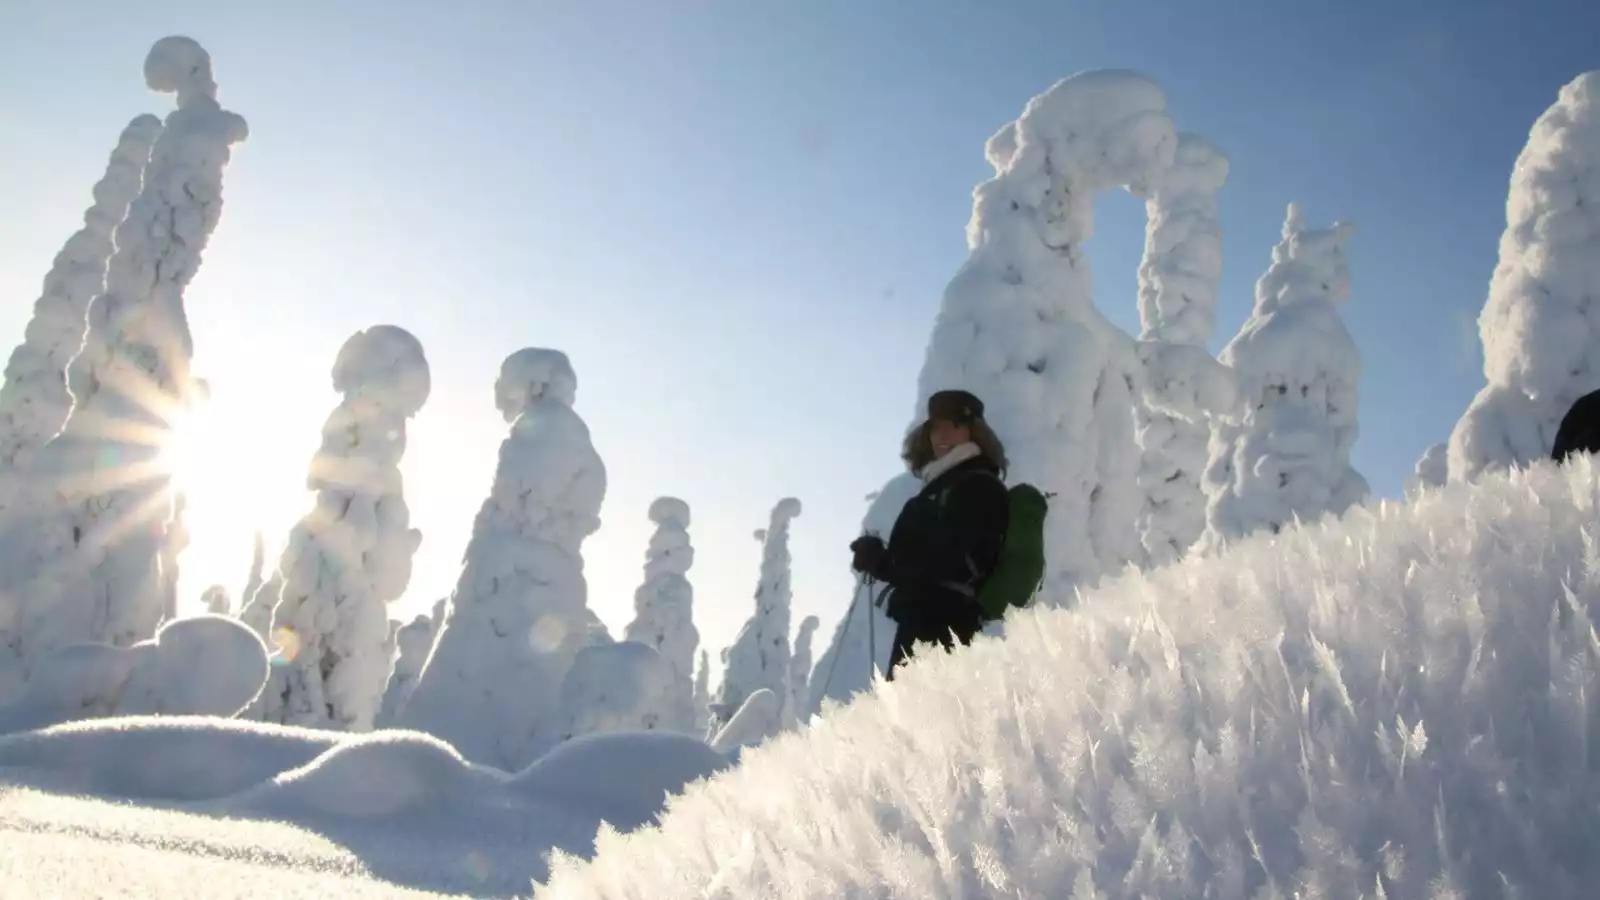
(868,551)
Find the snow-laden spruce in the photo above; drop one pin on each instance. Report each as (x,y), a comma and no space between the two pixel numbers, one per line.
(1541,323)
(350,556)
(1018,326)
(664,606)
(1397,704)
(1178,280)
(702,694)
(1432,469)
(216,600)
(1284,454)
(862,640)
(617,687)
(519,613)
(759,657)
(93,567)
(412,644)
(34,402)
(800,669)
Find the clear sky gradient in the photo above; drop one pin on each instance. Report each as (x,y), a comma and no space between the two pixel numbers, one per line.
(737,218)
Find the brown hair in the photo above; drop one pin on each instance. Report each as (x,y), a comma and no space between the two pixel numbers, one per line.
(917,451)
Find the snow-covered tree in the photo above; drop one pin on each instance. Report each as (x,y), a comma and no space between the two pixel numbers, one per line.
(1432,469)
(1018,326)
(94,569)
(664,605)
(216,600)
(623,686)
(1541,323)
(1285,455)
(413,643)
(759,657)
(702,694)
(848,666)
(34,402)
(350,556)
(1177,307)
(800,669)
(519,613)
(255,612)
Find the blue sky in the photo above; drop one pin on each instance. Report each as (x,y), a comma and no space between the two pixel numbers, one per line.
(737,218)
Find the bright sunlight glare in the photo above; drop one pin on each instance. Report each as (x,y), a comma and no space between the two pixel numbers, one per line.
(232,486)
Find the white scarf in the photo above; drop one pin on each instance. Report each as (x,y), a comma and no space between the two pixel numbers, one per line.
(957,455)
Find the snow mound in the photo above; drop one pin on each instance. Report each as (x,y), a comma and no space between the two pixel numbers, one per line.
(160,758)
(387,364)
(534,374)
(625,778)
(1398,703)
(203,665)
(625,686)
(760,717)
(381,774)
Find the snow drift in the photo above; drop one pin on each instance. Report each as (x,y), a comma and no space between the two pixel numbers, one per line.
(202,665)
(1398,703)
(1018,326)
(1541,323)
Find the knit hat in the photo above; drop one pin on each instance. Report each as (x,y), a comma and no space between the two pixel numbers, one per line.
(958,407)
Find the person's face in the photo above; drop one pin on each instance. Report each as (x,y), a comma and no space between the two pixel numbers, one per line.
(946,436)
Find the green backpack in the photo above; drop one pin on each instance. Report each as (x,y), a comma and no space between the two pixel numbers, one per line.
(1020,568)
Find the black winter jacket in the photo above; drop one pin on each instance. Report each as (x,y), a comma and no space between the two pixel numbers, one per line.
(1580,429)
(945,542)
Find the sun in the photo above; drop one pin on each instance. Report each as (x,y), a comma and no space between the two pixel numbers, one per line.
(232,483)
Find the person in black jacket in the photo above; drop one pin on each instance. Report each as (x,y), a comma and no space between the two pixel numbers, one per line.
(948,537)
(1580,429)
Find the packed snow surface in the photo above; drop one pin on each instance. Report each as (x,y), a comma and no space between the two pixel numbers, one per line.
(1395,704)
(283,807)
(1541,323)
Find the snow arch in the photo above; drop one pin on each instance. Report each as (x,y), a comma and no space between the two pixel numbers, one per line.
(1018,325)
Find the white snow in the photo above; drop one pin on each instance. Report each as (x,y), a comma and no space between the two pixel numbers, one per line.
(350,556)
(759,656)
(1541,323)
(664,607)
(1178,280)
(519,614)
(1018,326)
(251,808)
(618,687)
(1286,454)
(34,402)
(413,643)
(203,665)
(850,663)
(757,719)
(1432,469)
(702,694)
(93,570)
(1393,704)
(216,600)
(800,669)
